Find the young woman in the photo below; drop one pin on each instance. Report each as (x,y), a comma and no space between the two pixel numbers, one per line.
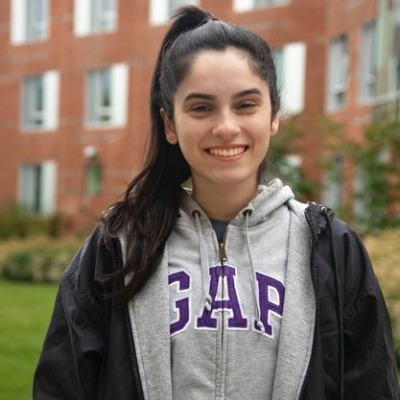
(233,290)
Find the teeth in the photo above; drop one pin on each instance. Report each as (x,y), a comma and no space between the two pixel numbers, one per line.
(227,152)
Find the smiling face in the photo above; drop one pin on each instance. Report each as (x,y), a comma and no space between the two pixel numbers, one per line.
(222,120)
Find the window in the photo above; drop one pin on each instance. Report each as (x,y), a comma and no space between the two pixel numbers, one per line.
(99,105)
(161,10)
(93,177)
(396,8)
(368,62)
(333,188)
(338,73)
(37,187)
(247,5)
(29,21)
(106,97)
(40,101)
(95,16)
(291,81)
(279,66)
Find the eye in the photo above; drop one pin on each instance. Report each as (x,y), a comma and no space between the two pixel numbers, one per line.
(199,109)
(246,106)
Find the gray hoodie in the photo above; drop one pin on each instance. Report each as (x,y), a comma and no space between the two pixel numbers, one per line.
(235,323)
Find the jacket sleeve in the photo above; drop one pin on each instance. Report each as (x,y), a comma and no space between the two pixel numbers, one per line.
(72,352)
(369,357)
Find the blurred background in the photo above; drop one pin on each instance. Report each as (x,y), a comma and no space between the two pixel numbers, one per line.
(74,92)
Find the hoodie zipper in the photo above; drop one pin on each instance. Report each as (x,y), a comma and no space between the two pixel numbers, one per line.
(222,367)
(222,255)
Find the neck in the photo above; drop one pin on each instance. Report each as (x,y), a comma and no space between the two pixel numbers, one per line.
(224,201)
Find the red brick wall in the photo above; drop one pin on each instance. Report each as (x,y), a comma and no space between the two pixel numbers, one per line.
(136,43)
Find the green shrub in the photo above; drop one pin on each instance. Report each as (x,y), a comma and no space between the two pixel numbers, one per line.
(15,222)
(37,260)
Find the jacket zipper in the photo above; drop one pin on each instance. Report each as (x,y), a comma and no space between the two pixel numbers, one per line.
(131,345)
(317,305)
(132,356)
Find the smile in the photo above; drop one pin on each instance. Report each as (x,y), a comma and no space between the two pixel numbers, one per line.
(232,152)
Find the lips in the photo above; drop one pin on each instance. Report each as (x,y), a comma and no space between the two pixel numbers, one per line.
(227,152)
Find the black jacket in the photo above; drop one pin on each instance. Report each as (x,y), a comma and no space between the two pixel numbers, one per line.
(89,352)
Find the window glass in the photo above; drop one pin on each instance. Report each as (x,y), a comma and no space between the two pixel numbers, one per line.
(103,15)
(333,184)
(338,72)
(33,102)
(99,96)
(396,6)
(279,65)
(30,183)
(36,19)
(368,62)
(93,178)
(258,3)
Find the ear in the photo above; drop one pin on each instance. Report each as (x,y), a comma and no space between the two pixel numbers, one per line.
(275,125)
(169,128)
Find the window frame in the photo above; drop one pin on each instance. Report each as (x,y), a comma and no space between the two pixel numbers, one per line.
(367,72)
(47,83)
(88,17)
(114,113)
(291,82)
(338,72)
(102,20)
(25,29)
(37,187)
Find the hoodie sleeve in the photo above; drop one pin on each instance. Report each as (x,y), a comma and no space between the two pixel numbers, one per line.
(369,356)
(73,349)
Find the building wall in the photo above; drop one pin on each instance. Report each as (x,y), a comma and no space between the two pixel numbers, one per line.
(135,42)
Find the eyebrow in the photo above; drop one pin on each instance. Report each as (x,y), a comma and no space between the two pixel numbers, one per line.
(205,96)
(247,92)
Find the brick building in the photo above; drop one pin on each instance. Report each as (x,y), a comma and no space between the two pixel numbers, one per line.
(74,83)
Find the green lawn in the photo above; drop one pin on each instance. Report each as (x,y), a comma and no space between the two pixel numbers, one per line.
(25,311)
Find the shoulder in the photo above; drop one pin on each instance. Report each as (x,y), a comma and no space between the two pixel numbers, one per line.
(96,258)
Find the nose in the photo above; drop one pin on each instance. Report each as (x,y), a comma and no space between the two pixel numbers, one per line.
(226,125)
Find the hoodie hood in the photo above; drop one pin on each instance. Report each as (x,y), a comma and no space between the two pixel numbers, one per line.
(270,198)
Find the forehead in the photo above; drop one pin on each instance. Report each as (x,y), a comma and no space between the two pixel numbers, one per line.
(221,69)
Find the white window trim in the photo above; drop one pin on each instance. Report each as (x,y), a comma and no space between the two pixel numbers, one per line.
(18,28)
(119,98)
(51,90)
(159,11)
(49,187)
(52,98)
(82,19)
(240,6)
(293,90)
(18,31)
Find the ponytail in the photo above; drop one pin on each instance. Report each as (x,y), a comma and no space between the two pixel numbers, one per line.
(150,206)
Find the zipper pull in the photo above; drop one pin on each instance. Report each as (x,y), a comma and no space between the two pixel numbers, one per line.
(222,254)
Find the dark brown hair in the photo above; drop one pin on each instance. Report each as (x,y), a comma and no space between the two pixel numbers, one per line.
(147,213)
